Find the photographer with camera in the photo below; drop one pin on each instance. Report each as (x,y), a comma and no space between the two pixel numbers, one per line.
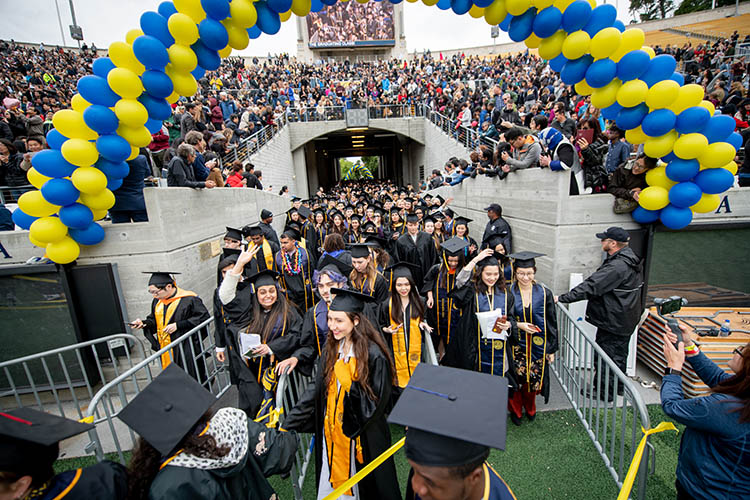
(526,151)
(714,459)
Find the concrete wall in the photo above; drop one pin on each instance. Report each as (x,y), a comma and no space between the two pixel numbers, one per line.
(302,132)
(439,147)
(275,160)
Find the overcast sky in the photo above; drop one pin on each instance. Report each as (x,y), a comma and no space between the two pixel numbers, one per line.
(105,21)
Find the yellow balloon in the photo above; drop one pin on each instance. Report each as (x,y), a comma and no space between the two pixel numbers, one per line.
(494,14)
(631,39)
(48,229)
(732,167)
(225,52)
(648,50)
(605,43)
(238,37)
(576,44)
(636,135)
(78,103)
(182,58)
(662,94)
(70,124)
(717,155)
(532,41)
(89,179)
(103,200)
(517,7)
(184,30)
(592,3)
(551,46)
(173,97)
(656,147)
(632,93)
(80,152)
(131,35)
(707,203)
(583,88)
(690,146)
(654,198)
(131,112)
(606,96)
(284,16)
(137,136)
(125,83)
(428,3)
(709,106)
(542,4)
(34,204)
(410,1)
(122,56)
(184,83)
(35,178)
(475,12)
(300,8)
(37,243)
(99,214)
(134,152)
(192,8)
(64,251)
(687,96)
(658,177)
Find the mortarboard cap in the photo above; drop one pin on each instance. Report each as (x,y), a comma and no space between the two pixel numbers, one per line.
(461,220)
(338,265)
(412,217)
(229,252)
(252,230)
(359,250)
(454,246)
(449,212)
(167,409)
(229,259)
(160,278)
(402,270)
(488,261)
(525,259)
(296,198)
(438,197)
(376,241)
(233,234)
(304,212)
(429,218)
(614,233)
(349,301)
(292,231)
(369,225)
(449,419)
(292,211)
(266,277)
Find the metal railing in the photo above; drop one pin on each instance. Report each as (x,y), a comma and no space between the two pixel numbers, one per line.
(468,137)
(591,381)
(248,146)
(10,194)
(316,113)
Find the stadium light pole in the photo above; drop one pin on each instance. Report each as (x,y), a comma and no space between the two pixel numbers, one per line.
(59,22)
(73,16)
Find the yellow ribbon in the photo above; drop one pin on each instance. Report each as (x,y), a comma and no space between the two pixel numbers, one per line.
(272,416)
(627,484)
(366,470)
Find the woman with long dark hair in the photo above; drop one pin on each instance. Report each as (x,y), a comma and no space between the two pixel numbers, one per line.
(338,226)
(461,230)
(354,235)
(346,406)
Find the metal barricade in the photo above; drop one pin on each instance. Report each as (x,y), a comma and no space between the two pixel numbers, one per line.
(10,194)
(614,427)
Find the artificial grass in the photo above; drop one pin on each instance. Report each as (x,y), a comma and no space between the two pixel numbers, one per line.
(550,458)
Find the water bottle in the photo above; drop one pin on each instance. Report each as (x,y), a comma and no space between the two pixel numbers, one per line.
(726,329)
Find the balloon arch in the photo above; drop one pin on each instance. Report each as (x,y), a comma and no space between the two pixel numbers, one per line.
(129,95)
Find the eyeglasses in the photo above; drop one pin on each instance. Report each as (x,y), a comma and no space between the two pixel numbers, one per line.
(154,292)
(738,350)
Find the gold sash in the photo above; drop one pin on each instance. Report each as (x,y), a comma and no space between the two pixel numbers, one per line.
(407,357)
(163,318)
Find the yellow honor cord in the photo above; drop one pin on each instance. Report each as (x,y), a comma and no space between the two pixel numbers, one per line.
(627,484)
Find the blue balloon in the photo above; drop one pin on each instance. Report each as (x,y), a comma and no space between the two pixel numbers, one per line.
(685,194)
(55,139)
(155,25)
(670,157)
(213,34)
(611,112)
(619,25)
(219,9)
(157,83)
(198,72)
(574,71)
(714,180)
(268,21)
(254,31)
(50,162)
(629,118)
(505,23)
(660,68)
(483,3)
(644,216)
(153,126)
(632,65)
(678,78)
(601,72)
(675,217)
(102,66)
(158,109)
(113,147)
(718,128)
(114,184)
(602,17)
(100,119)
(60,192)
(207,58)
(521,26)
(166,9)
(113,170)
(394,2)
(680,170)
(22,219)
(279,6)
(331,2)
(151,52)
(76,216)
(444,4)
(658,122)
(558,63)
(692,120)
(461,7)
(576,16)
(735,140)
(95,90)
(91,235)
(547,22)
(315,6)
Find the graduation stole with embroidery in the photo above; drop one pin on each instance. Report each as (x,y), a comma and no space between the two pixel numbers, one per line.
(493,344)
(163,312)
(407,349)
(534,344)
(450,282)
(267,254)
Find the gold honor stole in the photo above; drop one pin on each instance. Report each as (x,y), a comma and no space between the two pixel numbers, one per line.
(407,356)
(337,443)
(267,255)
(163,312)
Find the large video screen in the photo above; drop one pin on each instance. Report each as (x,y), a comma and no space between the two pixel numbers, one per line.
(351,24)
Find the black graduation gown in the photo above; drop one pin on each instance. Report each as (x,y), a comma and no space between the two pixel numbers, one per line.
(444,315)
(312,337)
(104,480)
(422,254)
(258,263)
(380,292)
(363,418)
(269,233)
(298,286)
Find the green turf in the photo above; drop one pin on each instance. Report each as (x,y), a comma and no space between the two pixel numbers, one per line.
(550,458)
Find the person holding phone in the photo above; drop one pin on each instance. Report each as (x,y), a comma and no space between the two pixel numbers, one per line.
(537,336)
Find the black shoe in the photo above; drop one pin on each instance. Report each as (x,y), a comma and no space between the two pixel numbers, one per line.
(531,417)
(515,418)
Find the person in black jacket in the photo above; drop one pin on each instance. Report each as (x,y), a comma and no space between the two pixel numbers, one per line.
(614,295)
(130,206)
(497,226)
(180,172)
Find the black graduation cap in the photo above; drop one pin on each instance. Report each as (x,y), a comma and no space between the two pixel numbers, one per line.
(369,225)
(296,198)
(167,409)
(449,419)
(396,210)
(359,250)
(412,217)
(339,266)
(265,277)
(438,197)
(229,252)
(292,211)
(373,241)
(335,213)
(402,270)
(454,246)
(488,261)
(525,259)
(461,220)
(292,231)
(233,234)
(304,212)
(429,218)
(250,230)
(160,278)
(448,212)
(428,195)
(349,301)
